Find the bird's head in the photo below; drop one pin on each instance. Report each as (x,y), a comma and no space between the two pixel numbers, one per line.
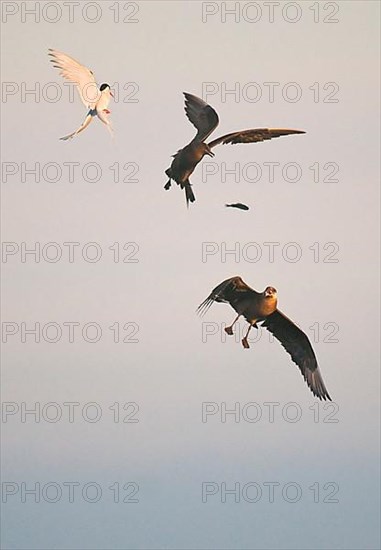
(106,87)
(270,292)
(207,150)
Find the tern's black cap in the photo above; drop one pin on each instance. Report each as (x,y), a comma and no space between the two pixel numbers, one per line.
(104,86)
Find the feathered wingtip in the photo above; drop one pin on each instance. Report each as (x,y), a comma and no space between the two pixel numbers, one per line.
(204,307)
(315,382)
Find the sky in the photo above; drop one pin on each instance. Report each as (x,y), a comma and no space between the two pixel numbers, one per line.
(132,445)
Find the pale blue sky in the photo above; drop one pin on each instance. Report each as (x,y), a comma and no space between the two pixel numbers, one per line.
(170,372)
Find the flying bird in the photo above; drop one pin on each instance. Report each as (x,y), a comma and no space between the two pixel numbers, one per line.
(95,100)
(262,306)
(205,119)
(237,205)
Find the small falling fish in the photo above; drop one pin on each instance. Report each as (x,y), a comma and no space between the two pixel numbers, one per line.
(237,205)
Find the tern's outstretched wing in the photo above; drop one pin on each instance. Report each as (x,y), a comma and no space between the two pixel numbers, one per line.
(80,75)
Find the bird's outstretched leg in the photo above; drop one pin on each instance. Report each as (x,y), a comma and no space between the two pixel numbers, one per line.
(168,184)
(103,116)
(229,330)
(245,343)
(84,125)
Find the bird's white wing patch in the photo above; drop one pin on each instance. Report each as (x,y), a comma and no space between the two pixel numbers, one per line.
(80,75)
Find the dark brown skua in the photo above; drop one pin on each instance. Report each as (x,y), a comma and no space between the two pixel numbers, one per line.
(205,119)
(262,306)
